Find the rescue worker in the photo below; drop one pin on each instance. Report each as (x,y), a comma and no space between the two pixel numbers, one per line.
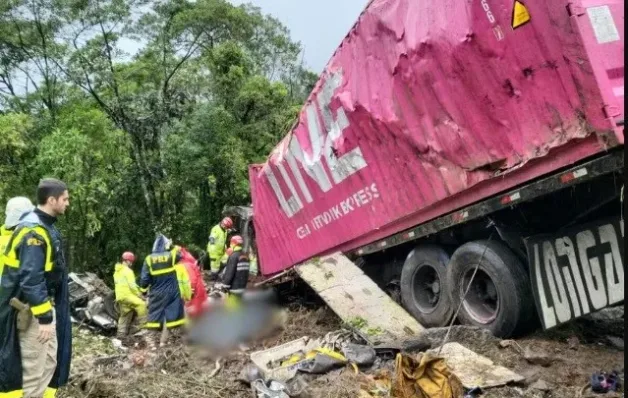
(194,306)
(217,245)
(183,277)
(165,304)
(128,295)
(16,208)
(36,341)
(236,274)
(223,260)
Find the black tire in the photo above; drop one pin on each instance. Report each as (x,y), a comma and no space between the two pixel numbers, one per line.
(423,286)
(500,297)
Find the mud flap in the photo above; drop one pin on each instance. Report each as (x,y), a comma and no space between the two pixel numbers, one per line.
(357,299)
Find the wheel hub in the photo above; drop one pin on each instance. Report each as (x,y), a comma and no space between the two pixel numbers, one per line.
(482,299)
(426,288)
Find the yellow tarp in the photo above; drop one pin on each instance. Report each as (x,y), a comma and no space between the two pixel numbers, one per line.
(424,377)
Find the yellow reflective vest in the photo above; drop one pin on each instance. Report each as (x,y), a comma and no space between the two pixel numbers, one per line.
(125,284)
(225,257)
(5,238)
(185,287)
(217,246)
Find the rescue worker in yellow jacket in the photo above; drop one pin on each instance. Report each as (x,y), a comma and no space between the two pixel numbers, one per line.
(16,208)
(128,295)
(218,244)
(185,287)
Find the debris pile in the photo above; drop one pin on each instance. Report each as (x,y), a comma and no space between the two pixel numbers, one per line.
(92,303)
(316,354)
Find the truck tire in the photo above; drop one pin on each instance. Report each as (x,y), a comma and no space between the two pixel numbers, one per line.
(500,297)
(423,278)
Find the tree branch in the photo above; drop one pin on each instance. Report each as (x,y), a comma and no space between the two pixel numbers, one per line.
(192,49)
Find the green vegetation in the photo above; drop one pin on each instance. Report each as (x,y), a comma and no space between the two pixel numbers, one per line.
(358,323)
(155,141)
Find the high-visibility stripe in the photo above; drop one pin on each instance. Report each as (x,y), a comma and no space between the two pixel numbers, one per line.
(50,393)
(12,394)
(11,258)
(158,325)
(175,323)
(149,262)
(162,271)
(41,308)
(11,262)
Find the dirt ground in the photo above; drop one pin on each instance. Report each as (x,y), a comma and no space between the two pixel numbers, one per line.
(101,370)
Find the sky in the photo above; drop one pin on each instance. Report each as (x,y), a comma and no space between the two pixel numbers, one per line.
(320,25)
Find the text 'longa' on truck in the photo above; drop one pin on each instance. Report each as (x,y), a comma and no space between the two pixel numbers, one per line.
(446,134)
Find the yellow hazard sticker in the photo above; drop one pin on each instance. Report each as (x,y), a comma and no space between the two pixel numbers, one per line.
(520,15)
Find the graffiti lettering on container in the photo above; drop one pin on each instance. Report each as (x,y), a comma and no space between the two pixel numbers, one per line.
(290,160)
(359,199)
(578,272)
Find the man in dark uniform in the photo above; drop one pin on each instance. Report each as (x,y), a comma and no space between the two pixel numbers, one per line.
(35,352)
(159,278)
(236,275)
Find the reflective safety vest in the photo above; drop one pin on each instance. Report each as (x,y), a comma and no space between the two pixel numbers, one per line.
(24,262)
(160,264)
(217,243)
(10,258)
(165,264)
(5,237)
(125,285)
(184,282)
(225,257)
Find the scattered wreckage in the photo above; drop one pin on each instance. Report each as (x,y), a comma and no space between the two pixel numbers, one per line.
(92,303)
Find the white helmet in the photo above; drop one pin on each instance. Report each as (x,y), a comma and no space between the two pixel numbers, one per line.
(16,207)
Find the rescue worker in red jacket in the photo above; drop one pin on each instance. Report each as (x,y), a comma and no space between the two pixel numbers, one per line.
(165,304)
(199,294)
(236,275)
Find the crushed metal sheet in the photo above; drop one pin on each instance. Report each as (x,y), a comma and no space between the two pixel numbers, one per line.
(475,370)
(355,298)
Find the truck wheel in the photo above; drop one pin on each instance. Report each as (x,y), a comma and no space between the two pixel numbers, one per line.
(499,298)
(423,281)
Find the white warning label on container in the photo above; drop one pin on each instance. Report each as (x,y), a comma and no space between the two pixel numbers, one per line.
(603,24)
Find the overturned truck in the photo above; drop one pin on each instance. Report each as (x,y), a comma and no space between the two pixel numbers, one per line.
(469,153)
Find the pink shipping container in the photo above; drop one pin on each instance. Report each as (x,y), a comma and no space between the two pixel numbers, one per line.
(428,106)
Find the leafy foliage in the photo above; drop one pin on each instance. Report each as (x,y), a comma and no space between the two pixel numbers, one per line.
(154,141)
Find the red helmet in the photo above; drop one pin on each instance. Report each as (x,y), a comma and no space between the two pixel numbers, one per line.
(237,240)
(128,256)
(227,222)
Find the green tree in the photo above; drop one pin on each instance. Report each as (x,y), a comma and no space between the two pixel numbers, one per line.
(155,141)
